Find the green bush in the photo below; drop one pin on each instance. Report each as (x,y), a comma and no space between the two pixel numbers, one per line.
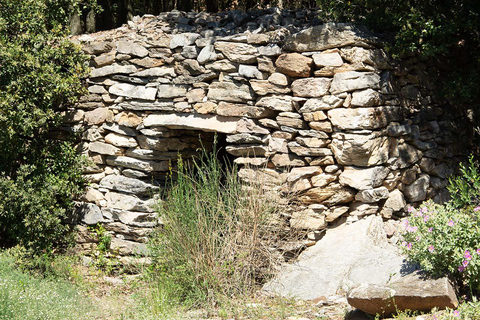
(39,75)
(465,188)
(214,243)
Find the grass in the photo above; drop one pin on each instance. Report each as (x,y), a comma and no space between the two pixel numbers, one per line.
(24,296)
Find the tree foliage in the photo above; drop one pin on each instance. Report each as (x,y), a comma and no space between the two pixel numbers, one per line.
(40,74)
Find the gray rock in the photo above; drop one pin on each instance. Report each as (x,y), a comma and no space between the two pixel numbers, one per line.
(366,98)
(112,69)
(104,148)
(90,213)
(168,91)
(278,103)
(133,91)
(363,178)
(207,54)
(363,118)
(411,292)
(192,121)
(119,129)
(417,191)
(120,140)
(345,256)
(360,150)
(142,165)
(329,35)
(249,72)
(244,138)
(125,247)
(328,59)
(300,150)
(183,39)
(270,50)
(131,48)
(127,185)
(396,129)
(238,52)
(311,87)
(230,91)
(372,195)
(247,150)
(264,87)
(353,80)
(324,103)
(395,201)
(128,202)
(156,72)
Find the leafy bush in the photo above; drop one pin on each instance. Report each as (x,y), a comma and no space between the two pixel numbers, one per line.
(215,240)
(39,75)
(465,188)
(445,241)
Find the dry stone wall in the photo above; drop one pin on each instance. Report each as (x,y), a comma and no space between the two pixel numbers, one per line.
(317,110)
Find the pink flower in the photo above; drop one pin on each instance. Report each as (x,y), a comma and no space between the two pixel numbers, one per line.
(451,223)
(424,209)
(410,209)
(418,214)
(467,255)
(456,313)
(465,263)
(461,268)
(431,248)
(476,208)
(404,243)
(409,246)
(417,238)
(412,229)
(478,251)
(425,218)
(430,229)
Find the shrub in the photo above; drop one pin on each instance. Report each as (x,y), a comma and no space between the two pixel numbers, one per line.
(445,241)
(39,75)
(214,243)
(465,188)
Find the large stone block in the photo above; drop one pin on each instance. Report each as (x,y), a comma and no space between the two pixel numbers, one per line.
(294,65)
(363,118)
(353,80)
(192,121)
(363,178)
(142,165)
(133,91)
(238,52)
(311,87)
(127,185)
(360,150)
(230,92)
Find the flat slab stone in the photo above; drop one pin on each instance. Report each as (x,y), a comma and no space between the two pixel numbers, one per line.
(411,292)
(210,123)
(347,255)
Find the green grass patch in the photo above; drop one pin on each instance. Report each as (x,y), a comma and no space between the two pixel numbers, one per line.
(26,297)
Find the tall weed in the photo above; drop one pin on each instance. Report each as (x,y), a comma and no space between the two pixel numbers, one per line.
(214,243)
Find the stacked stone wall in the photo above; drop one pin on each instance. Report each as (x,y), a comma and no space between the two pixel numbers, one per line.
(317,109)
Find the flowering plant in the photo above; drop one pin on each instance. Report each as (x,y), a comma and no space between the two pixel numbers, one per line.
(444,241)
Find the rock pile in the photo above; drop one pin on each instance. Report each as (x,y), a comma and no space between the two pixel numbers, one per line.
(318,109)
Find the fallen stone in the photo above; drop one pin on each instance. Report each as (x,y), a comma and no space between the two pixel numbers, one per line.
(411,292)
(347,255)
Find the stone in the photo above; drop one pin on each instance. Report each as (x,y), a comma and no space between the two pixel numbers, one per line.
(112,69)
(287,160)
(327,36)
(205,107)
(396,129)
(148,62)
(417,191)
(73,116)
(360,150)
(133,91)
(406,155)
(241,110)
(244,138)
(131,48)
(363,118)
(128,202)
(93,195)
(104,148)
(207,54)
(347,255)
(98,116)
(353,80)
(278,103)
(190,52)
(120,140)
(256,162)
(264,87)
(230,92)
(411,292)
(294,65)
(249,72)
(409,176)
(222,65)
(125,247)
(211,123)
(328,59)
(156,72)
(300,150)
(136,164)
(270,50)
(183,39)
(322,161)
(90,213)
(324,126)
(307,220)
(311,87)
(319,104)
(329,195)
(290,122)
(238,52)
(279,79)
(366,98)
(169,91)
(97,89)
(104,59)
(246,150)
(315,116)
(303,172)
(195,95)
(265,64)
(126,185)
(335,213)
(360,209)
(323,179)
(363,178)
(164,144)
(128,119)
(372,195)
(261,177)
(250,126)
(120,129)
(312,142)
(427,165)
(395,201)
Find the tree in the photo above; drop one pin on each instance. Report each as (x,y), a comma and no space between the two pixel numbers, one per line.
(39,76)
